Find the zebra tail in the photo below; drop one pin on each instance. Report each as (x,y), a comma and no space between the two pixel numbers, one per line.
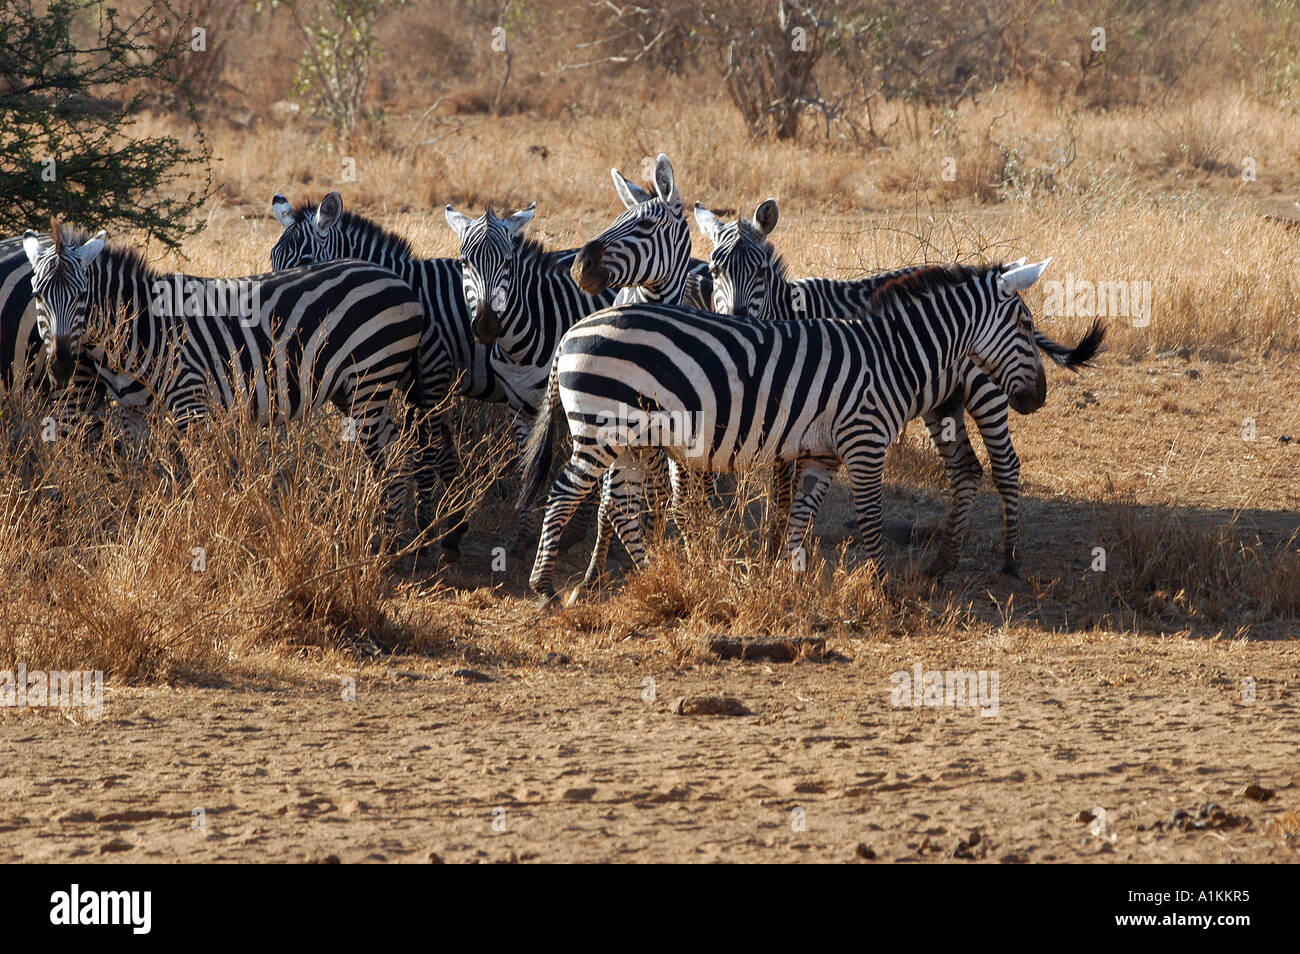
(540,448)
(1081,355)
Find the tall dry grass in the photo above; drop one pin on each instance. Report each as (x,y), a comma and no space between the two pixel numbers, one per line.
(99,549)
(220,554)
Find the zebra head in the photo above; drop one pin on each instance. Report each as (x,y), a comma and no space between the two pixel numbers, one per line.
(646,247)
(61,289)
(489,257)
(311,232)
(743,263)
(1006,344)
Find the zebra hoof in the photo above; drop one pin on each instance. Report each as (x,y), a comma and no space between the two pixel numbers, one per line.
(1011,568)
(573,596)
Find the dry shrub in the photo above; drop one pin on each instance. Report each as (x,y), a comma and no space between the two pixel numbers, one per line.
(197,558)
(723,578)
(1161,566)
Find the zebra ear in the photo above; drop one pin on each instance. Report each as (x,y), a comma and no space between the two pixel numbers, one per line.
(282,210)
(1017,278)
(86,254)
(328,212)
(628,191)
(709,223)
(665,183)
(458,221)
(765,216)
(515,223)
(32,246)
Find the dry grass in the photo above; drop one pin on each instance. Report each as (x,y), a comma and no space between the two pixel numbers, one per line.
(97,550)
(214,556)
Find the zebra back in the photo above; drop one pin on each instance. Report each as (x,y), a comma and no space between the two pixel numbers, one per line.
(324,232)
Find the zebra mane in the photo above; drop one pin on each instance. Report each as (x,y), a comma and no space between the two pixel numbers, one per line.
(66,235)
(531,250)
(925,280)
(125,255)
(366,230)
(126,259)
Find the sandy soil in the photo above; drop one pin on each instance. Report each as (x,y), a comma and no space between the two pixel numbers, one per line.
(575,765)
(572,761)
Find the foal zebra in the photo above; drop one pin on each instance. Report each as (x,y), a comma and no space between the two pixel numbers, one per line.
(749,279)
(285,343)
(522,299)
(758,393)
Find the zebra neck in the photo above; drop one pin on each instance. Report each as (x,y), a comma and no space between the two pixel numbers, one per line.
(669,292)
(923,338)
(149,307)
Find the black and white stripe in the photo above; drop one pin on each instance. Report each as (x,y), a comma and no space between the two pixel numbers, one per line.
(754,393)
(325,232)
(750,280)
(281,345)
(522,298)
(646,254)
(22,358)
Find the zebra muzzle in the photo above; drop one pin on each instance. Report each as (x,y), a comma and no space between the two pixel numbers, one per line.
(486,327)
(1027,401)
(61,362)
(589,269)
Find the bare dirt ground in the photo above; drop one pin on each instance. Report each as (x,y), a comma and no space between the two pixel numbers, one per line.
(570,759)
(572,764)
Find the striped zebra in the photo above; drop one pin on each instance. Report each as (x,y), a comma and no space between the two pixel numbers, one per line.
(280,344)
(522,299)
(22,351)
(22,357)
(646,254)
(749,280)
(325,232)
(742,392)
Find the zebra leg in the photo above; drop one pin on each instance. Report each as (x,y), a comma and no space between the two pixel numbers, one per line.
(988,407)
(438,456)
(689,489)
(866,467)
(604,531)
(525,519)
(814,479)
(377,431)
(583,471)
(621,504)
(783,481)
(947,426)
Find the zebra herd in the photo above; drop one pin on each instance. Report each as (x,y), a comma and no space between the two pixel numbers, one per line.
(752,369)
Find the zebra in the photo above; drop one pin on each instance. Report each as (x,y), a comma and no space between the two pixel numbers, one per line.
(759,393)
(22,357)
(280,344)
(749,279)
(522,299)
(325,232)
(646,254)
